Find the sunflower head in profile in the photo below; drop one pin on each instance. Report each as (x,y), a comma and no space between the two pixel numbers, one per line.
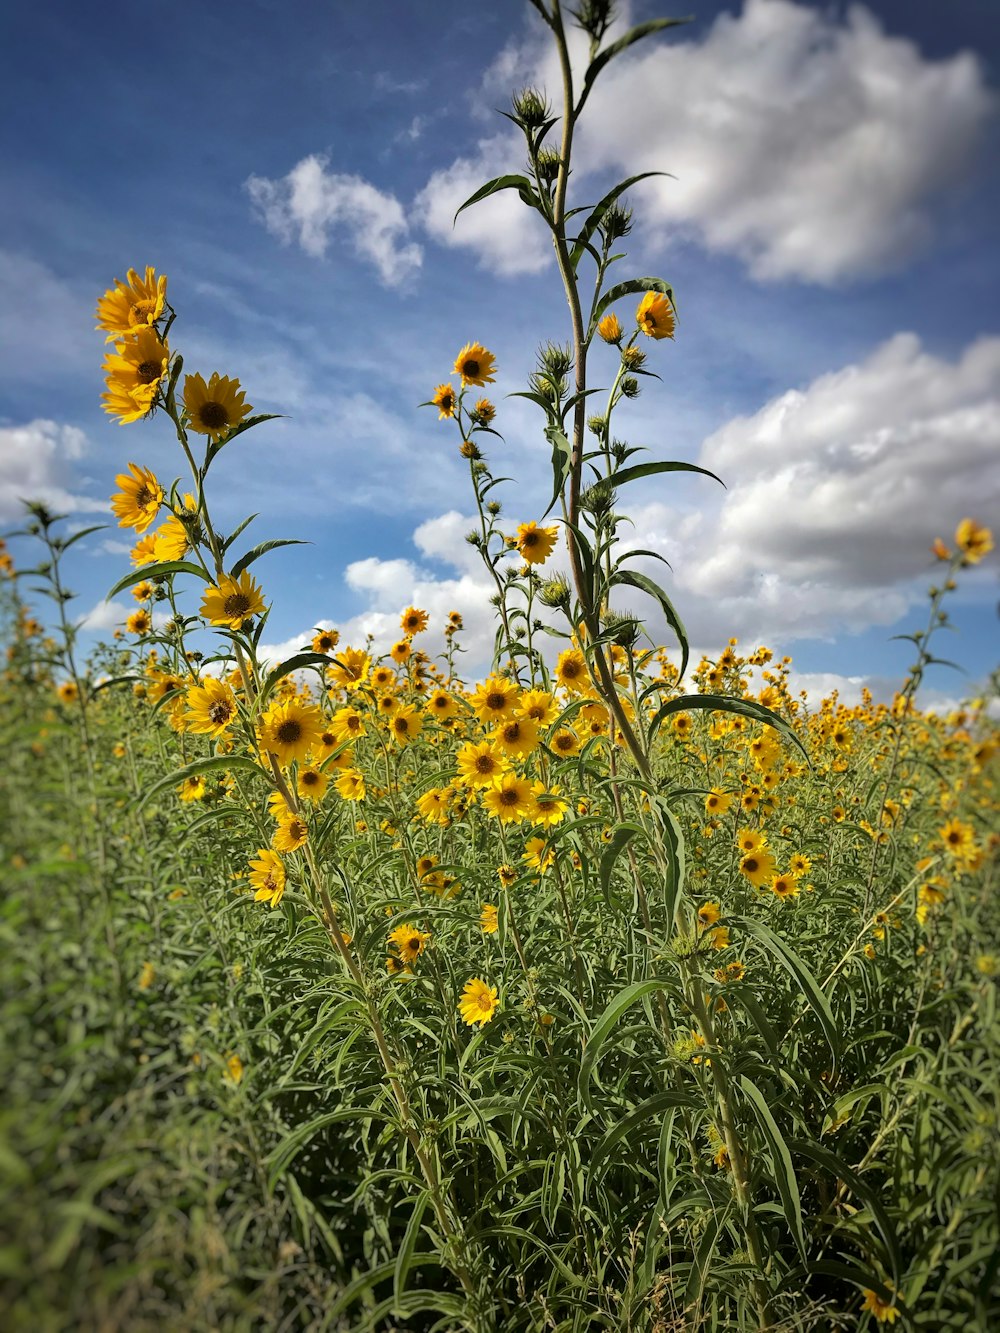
(133,304)
(215,408)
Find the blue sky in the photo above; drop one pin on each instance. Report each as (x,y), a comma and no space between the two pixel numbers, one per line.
(830,233)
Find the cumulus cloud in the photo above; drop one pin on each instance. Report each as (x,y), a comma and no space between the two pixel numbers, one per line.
(836,490)
(311,202)
(36,464)
(811,145)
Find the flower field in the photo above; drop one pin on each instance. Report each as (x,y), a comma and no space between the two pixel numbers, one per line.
(601,989)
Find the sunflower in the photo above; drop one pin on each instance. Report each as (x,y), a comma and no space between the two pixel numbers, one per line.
(799,864)
(480,765)
(351,785)
(565,743)
(68,692)
(267,876)
(405,725)
(536,544)
(610,329)
(550,805)
(192,788)
(170,540)
(708,914)
(138,365)
(433,805)
(785,886)
(118,402)
(143,591)
(749,840)
(325,640)
(144,551)
(885,1312)
(758,867)
(400,651)
(233,601)
(409,942)
(290,730)
(655,316)
(478,1003)
(139,622)
(441,705)
(350,668)
(387,704)
(443,399)
(212,708)
(475,365)
(571,671)
(291,834)
(973,541)
(717,802)
(413,621)
(488,923)
(538,856)
(311,784)
(214,408)
(346,725)
(495,700)
(133,304)
(483,412)
(509,799)
(137,502)
(516,737)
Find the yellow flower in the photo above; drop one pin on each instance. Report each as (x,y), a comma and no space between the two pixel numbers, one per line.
(325,640)
(350,668)
(708,914)
(475,365)
(144,551)
(132,304)
(550,806)
(413,621)
(433,805)
(537,855)
(444,400)
(885,1312)
(170,540)
(346,725)
(536,544)
(565,743)
(136,367)
(973,541)
(139,622)
(400,651)
(147,976)
(441,705)
(409,942)
(516,737)
(484,411)
(478,1003)
(571,671)
(784,886)
(234,1069)
(758,867)
(212,708)
(655,316)
(538,706)
(509,799)
(291,834)
(192,788)
(267,876)
(958,837)
(495,700)
(488,919)
(233,601)
(139,500)
(405,725)
(311,784)
(290,730)
(143,591)
(351,785)
(214,408)
(610,329)
(480,765)
(717,802)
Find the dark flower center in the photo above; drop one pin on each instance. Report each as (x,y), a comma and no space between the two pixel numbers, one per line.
(236,604)
(496,700)
(213,415)
(221,711)
(289,731)
(148,371)
(470,369)
(485,763)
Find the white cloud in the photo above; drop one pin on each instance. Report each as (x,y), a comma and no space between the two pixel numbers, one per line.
(310,202)
(501,230)
(35,464)
(810,145)
(105,615)
(835,493)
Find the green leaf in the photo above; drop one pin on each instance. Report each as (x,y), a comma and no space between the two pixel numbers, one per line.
(725,703)
(245,561)
(623,835)
(632,579)
(662,1101)
(781,1164)
(633,35)
(800,973)
(519,183)
(158,571)
(216,445)
(114,680)
(602,1028)
(296,663)
(219,761)
(562,458)
(673,838)
(236,532)
(627,474)
(79,536)
(632,287)
(404,1258)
